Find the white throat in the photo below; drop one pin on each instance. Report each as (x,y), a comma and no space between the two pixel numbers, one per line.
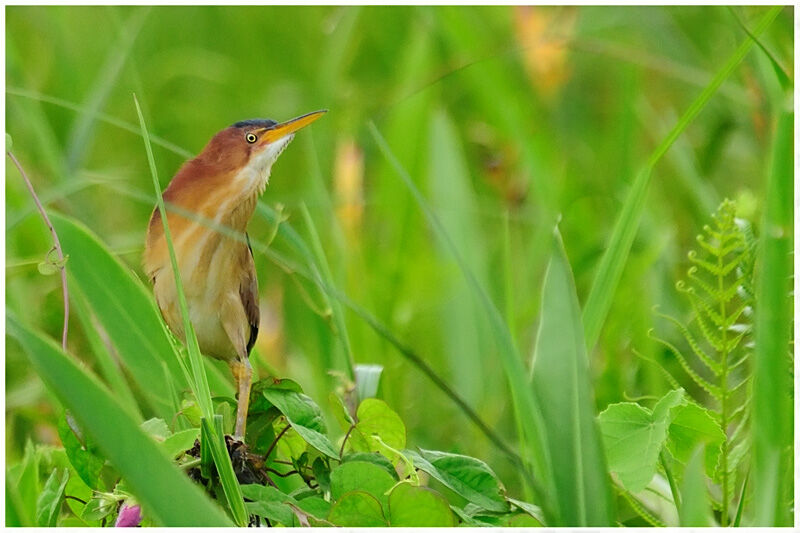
(255,176)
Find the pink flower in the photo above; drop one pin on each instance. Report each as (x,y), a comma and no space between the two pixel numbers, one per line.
(129,516)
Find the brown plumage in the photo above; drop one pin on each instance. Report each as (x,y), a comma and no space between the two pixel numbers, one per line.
(218,189)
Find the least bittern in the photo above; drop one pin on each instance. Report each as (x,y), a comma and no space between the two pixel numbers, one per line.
(221,185)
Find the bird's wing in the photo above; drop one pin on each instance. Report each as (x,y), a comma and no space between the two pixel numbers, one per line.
(248,291)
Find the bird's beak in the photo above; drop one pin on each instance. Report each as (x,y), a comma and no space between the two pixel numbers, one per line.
(283,129)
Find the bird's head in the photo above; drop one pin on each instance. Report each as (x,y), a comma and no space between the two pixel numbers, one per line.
(246,151)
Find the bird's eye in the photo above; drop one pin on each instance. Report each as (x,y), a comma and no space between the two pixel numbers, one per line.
(251,138)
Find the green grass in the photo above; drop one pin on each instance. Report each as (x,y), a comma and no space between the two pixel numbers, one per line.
(467,163)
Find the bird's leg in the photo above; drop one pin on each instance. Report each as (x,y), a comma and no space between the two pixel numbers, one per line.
(243,373)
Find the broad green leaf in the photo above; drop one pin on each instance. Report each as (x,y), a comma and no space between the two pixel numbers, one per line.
(127,312)
(533,510)
(375,417)
(303,414)
(357,509)
(561,383)
(340,412)
(76,487)
(358,475)
(411,506)
(523,520)
(260,433)
(156,428)
(181,441)
(692,426)
(169,496)
(49,502)
(83,460)
(269,502)
(609,270)
(466,519)
(322,475)
(316,506)
(374,458)
(634,437)
(694,510)
(292,444)
(772,365)
(469,477)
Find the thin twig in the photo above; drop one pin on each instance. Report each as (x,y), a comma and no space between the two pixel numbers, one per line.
(68,497)
(56,244)
(344,441)
(286,474)
(275,442)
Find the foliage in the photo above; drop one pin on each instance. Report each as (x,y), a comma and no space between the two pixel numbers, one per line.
(703,443)
(407,265)
(720,291)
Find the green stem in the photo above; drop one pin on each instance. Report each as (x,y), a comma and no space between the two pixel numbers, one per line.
(676,496)
(723,385)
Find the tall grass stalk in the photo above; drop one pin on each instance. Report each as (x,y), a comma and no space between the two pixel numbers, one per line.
(198,379)
(772,383)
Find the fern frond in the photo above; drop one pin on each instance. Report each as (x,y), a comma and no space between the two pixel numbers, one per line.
(731,319)
(673,383)
(738,363)
(711,268)
(720,290)
(700,303)
(698,351)
(736,246)
(709,333)
(728,268)
(738,386)
(713,390)
(712,248)
(722,236)
(731,344)
(641,511)
(724,296)
(735,414)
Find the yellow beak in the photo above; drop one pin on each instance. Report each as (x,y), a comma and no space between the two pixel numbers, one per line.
(290,126)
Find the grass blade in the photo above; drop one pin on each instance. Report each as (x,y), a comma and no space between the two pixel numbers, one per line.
(609,271)
(525,406)
(81,133)
(452,194)
(124,310)
(198,379)
(167,494)
(772,384)
(108,367)
(695,510)
(333,303)
(560,378)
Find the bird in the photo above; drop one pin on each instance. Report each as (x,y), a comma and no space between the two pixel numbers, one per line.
(218,188)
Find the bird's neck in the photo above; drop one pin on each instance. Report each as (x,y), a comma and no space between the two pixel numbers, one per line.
(226,198)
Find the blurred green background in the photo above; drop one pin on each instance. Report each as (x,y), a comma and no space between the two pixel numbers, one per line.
(497,114)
